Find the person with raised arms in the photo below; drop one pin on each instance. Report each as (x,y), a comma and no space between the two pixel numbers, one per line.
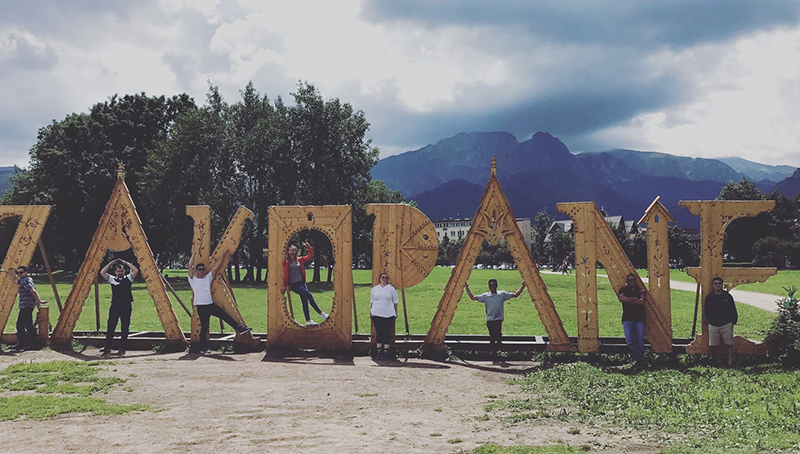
(294,278)
(200,279)
(121,302)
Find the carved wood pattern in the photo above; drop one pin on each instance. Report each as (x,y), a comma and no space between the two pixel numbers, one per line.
(336,223)
(659,314)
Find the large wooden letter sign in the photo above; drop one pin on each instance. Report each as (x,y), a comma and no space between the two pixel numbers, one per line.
(715,217)
(336,223)
(221,292)
(29,230)
(119,229)
(492,222)
(595,242)
(404,245)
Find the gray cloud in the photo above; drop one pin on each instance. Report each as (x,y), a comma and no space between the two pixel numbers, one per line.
(676,23)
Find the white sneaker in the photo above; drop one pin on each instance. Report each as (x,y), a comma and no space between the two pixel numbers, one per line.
(311,323)
(324,315)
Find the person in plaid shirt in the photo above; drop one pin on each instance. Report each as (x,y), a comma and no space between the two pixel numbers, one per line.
(28,299)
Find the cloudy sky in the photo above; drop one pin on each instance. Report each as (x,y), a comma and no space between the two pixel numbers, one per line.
(703,79)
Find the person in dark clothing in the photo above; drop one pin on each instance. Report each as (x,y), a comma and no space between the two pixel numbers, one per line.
(121,302)
(632,298)
(720,314)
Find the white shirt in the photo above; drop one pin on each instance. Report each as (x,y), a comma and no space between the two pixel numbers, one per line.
(382,301)
(112,279)
(201,287)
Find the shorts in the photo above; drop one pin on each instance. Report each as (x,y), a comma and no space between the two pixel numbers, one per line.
(722,333)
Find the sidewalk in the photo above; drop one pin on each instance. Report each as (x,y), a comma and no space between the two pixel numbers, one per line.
(760,300)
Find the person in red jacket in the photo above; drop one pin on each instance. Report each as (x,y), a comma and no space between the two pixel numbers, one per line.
(294,278)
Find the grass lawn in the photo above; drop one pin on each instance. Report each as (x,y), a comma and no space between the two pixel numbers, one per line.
(45,390)
(680,402)
(422,301)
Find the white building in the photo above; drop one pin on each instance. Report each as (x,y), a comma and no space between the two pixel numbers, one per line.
(458,228)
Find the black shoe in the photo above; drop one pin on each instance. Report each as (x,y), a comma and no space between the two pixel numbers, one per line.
(17,347)
(121,352)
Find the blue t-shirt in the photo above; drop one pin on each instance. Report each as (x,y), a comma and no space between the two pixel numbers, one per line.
(494,304)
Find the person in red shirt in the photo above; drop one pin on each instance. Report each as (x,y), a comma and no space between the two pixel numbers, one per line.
(294,278)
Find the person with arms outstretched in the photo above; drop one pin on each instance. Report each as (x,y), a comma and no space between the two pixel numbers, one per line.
(495,302)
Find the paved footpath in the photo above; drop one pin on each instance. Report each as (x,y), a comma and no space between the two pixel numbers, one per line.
(760,300)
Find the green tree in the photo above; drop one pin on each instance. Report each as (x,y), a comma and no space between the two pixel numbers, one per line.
(561,247)
(328,138)
(541,226)
(192,167)
(680,248)
(743,232)
(74,166)
(771,251)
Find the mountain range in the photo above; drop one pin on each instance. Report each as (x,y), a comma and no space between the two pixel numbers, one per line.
(447,179)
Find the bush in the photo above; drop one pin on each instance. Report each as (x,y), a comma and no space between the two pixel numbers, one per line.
(783,337)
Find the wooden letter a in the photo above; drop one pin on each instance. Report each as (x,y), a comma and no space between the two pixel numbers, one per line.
(492,222)
(119,229)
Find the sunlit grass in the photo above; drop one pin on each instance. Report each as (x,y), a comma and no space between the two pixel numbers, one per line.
(697,408)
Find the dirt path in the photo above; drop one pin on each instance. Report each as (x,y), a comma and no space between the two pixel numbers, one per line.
(253,403)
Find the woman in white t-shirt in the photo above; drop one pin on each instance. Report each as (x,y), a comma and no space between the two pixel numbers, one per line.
(383,311)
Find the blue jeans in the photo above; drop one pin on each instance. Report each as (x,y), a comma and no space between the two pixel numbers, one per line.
(306,297)
(634,336)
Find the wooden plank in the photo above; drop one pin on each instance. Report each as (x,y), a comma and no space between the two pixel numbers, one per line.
(659,312)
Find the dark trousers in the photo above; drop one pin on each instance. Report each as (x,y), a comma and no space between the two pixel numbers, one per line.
(495,335)
(306,297)
(118,313)
(205,312)
(25,331)
(383,329)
